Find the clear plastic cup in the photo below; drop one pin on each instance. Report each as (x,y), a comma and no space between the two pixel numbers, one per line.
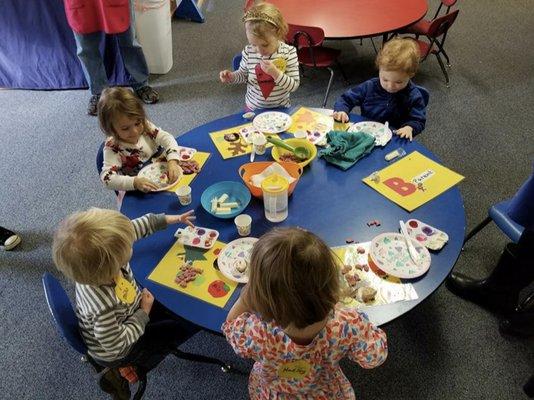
(260,144)
(243,222)
(184,195)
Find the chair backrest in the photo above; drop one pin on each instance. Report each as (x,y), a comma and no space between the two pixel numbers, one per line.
(100,159)
(441,25)
(236,61)
(304,36)
(425,94)
(62,312)
(445,3)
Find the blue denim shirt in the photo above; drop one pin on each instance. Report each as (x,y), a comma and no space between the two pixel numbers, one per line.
(406,107)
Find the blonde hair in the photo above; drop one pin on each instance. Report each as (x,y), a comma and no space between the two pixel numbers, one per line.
(118,101)
(399,54)
(91,246)
(265,19)
(294,278)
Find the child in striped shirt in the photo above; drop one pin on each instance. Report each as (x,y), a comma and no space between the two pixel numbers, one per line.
(268,65)
(119,327)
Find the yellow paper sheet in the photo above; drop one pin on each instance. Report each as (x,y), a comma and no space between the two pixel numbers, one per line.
(308,120)
(165,273)
(230,149)
(413,180)
(201,158)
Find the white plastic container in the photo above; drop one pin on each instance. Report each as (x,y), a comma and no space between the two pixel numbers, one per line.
(154,32)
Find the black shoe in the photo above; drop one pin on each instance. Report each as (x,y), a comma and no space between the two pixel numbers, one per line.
(8,239)
(92,108)
(113,383)
(147,94)
(519,323)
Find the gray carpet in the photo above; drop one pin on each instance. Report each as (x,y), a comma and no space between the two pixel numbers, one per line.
(481,127)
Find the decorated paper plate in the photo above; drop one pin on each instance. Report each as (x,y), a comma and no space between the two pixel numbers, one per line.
(376,129)
(186,153)
(234,259)
(318,131)
(248,132)
(272,122)
(389,253)
(427,235)
(203,238)
(157,173)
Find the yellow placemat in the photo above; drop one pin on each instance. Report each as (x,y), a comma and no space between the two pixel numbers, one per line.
(210,286)
(413,180)
(308,120)
(201,158)
(234,144)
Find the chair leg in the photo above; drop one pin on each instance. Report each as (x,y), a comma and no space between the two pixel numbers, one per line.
(446,57)
(200,358)
(141,387)
(477,229)
(328,87)
(374,47)
(444,70)
(338,64)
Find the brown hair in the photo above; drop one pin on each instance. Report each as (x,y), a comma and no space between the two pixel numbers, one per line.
(294,278)
(114,102)
(264,19)
(91,246)
(399,54)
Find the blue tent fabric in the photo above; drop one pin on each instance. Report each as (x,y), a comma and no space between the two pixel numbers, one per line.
(38,51)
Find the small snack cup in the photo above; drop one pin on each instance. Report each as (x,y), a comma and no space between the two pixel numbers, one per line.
(260,144)
(243,222)
(184,195)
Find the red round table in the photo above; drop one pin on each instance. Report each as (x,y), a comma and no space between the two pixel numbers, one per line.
(349,19)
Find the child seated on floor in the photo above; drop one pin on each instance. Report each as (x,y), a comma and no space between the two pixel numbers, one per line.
(391,97)
(119,323)
(268,65)
(289,320)
(132,141)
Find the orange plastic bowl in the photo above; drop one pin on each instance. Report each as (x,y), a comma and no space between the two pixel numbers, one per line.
(247,170)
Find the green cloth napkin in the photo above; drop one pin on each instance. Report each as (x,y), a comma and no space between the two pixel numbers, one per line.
(345,148)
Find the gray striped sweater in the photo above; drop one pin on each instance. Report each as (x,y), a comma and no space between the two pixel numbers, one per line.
(109,327)
(287,82)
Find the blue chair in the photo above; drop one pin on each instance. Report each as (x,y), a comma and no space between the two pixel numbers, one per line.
(236,61)
(100,158)
(425,94)
(498,213)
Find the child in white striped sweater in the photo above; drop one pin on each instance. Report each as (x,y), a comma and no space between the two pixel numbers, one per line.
(268,65)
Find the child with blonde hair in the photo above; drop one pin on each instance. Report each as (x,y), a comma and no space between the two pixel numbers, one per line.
(268,65)
(289,320)
(391,97)
(132,141)
(119,323)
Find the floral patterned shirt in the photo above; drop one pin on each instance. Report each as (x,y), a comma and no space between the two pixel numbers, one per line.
(286,370)
(123,161)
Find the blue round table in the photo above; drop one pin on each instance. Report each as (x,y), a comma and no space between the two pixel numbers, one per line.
(332,203)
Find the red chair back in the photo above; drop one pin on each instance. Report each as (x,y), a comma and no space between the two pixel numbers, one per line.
(441,25)
(448,3)
(304,36)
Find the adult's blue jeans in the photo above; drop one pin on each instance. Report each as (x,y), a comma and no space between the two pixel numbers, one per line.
(88,51)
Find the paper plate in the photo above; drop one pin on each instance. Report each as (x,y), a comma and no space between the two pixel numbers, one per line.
(318,132)
(233,255)
(389,253)
(272,122)
(186,153)
(248,132)
(157,173)
(376,129)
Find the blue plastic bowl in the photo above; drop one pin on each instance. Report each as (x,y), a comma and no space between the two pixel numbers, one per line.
(237,192)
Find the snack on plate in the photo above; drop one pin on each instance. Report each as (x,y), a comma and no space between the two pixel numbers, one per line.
(189,167)
(365,294)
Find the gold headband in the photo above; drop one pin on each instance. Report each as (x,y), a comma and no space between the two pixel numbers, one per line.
(252,15)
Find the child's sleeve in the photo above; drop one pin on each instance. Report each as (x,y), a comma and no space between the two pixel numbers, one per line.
(110,175)
(368,344)
(116,337)
(290,79)
(417,116)
(241,75)
(165,140)
(350,99)
(148,224)
(245,334)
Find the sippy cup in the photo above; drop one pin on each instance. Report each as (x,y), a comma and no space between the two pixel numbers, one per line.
(275,195)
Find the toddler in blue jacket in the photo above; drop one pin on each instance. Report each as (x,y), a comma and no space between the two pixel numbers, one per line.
(391,97)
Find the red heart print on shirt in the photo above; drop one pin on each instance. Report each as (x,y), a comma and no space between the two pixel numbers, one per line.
(265,81)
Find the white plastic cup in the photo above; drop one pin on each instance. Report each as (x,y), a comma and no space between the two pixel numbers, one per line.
(184,195)
(260,144)
(300,135)
(243,222)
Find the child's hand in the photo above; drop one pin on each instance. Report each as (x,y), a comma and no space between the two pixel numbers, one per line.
(174,170)
(341,116)
(144,185)
(269,68)
(147,300)
(184,218)
(405,132)
(226,76)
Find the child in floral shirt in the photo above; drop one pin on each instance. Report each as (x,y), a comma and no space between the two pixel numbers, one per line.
(289,321)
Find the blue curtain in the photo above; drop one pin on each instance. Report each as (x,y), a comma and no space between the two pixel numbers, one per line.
(38,51)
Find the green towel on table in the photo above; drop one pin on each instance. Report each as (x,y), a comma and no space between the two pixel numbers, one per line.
(345,148)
